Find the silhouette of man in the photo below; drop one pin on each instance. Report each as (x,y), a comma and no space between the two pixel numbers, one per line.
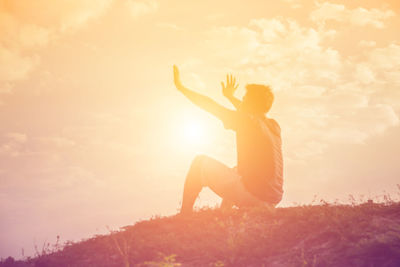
(258,177)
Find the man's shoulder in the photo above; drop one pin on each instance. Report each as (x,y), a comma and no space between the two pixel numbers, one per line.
(272,122)
(273,126)
(262,121)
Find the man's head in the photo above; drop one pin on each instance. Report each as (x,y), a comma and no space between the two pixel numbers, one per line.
(258,98)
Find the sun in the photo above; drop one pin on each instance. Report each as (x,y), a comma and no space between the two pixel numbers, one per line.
(193,133)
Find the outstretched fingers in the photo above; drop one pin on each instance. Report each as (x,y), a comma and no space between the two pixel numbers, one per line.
(231,80)
(177,79)
(230,86)
(176,71)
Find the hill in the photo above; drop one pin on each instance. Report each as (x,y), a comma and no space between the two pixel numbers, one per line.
(320,235)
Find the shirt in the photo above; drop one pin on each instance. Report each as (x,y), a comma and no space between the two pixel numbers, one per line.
(259,153)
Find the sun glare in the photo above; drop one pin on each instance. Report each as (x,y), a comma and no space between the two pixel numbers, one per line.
(193,132)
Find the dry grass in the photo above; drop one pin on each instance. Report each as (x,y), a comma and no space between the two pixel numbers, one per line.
(359,234)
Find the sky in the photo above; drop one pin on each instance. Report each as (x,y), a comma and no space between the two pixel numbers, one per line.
(93,132)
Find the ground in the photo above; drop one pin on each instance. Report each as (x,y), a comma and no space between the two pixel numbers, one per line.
(366,234)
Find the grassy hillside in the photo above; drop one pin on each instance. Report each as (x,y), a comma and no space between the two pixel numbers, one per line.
(321,235)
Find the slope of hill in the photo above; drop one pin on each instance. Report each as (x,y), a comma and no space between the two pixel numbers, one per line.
(319,235)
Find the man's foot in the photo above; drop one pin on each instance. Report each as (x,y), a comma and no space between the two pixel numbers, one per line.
(269,207)
(185,212)
(226,204)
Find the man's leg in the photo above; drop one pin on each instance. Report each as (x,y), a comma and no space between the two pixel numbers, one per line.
(193,185)
(206,171)
(224,181)
(226,204)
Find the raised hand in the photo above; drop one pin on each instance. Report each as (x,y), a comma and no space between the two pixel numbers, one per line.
(177,79)
(200,100)
(230,87)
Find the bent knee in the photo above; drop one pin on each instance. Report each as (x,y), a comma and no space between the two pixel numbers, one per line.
(199,160)
(198,165)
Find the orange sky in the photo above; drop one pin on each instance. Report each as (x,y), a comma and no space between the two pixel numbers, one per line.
(93,132)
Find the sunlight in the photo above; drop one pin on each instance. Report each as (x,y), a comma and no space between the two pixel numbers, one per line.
(193,133)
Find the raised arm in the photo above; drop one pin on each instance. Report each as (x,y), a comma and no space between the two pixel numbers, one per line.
(202,101)
(230,89)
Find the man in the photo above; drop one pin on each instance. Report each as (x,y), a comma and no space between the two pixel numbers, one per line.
(258,177)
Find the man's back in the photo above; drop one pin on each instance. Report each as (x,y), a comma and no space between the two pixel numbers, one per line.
(259,156)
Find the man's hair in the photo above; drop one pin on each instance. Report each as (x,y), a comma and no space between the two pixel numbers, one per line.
(259,97)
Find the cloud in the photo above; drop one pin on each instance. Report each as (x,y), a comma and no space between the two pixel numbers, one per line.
(170,26)
(277,51)
(365,43)
(140,8)
(28,26)
(17,137)
(384,64)
(359,17)
(193,80)
(386,58)
(68,177)
(294,3)
(380,69)
(361,124)
(232,43)
(15,66)
(364,74)
(13,144)
(80,12)
(214,16)
(58,142)
(324,98)
(55,16)
(310,91)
